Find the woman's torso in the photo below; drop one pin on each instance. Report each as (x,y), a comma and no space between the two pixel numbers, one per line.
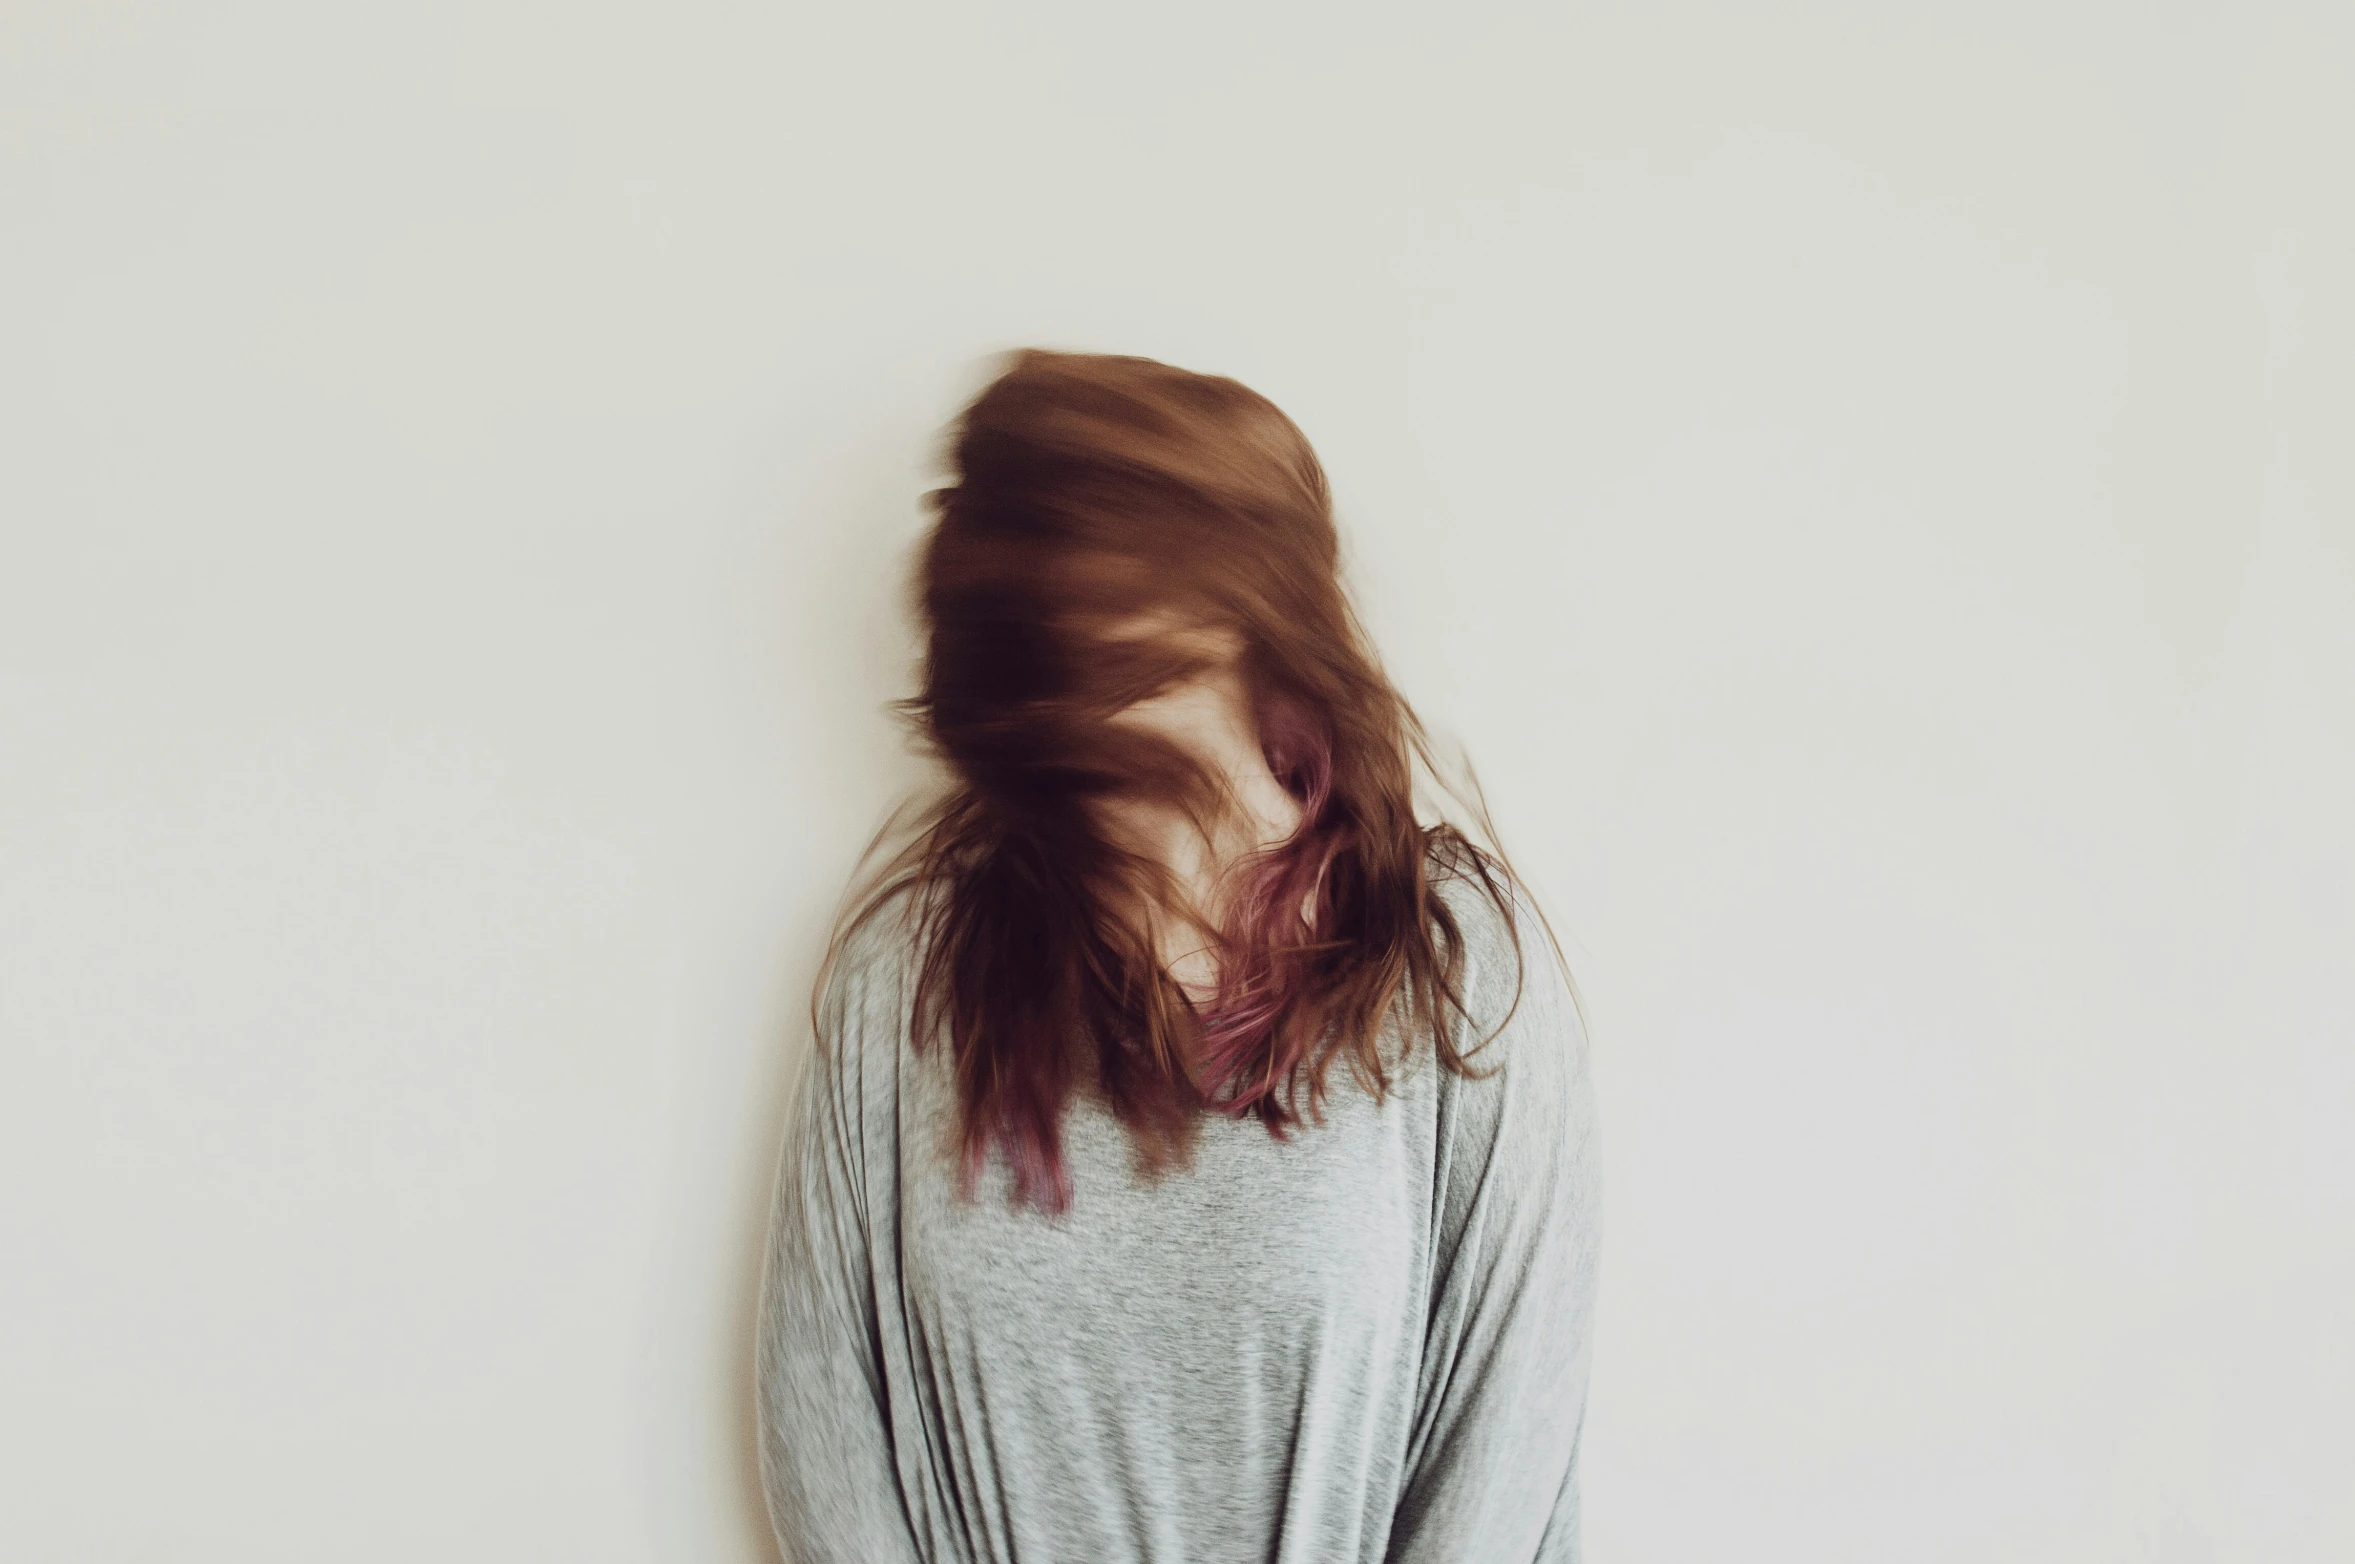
(1177,1368)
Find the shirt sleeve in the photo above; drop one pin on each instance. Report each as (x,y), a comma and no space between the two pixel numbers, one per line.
(826,1451)
(1493,1460)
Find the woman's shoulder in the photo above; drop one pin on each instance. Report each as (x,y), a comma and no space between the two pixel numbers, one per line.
(868,979)
(1519,1009)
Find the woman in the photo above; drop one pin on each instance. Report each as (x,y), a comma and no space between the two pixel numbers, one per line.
(1196,1163)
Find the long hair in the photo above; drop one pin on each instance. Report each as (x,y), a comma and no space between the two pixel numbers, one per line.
(1103,511)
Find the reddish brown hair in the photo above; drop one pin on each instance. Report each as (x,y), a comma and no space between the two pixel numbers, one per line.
(1089,489)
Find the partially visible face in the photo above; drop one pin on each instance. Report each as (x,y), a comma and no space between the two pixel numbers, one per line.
(1128,627)
(1193,713)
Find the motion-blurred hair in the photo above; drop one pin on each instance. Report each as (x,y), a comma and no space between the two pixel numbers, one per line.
(1093,495)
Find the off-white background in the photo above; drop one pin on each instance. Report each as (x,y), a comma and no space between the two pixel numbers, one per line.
(1868,483)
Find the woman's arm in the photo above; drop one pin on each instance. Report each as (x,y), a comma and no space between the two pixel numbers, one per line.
(1494,1459)
(825,1424)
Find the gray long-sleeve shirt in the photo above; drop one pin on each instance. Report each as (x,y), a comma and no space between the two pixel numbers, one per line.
(1366,1342)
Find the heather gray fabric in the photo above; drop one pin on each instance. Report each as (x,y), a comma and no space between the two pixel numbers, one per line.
(1368,1342)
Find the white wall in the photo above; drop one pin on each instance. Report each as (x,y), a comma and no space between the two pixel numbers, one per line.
(1869,484)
